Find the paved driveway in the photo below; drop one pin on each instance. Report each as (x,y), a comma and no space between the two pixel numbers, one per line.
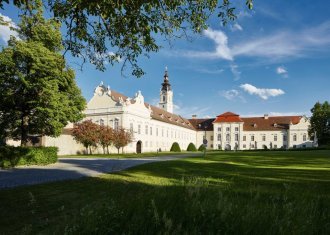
(71,168)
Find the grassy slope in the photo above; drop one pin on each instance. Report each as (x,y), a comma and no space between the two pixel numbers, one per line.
(247,193)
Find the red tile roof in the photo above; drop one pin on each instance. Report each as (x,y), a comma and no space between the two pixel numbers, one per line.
(270,123)
(228,117)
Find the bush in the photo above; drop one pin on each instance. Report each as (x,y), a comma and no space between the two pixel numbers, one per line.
(175,147)
(14,156)
(191,147)
(201,148)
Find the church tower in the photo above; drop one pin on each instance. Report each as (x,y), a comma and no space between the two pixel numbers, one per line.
(166,95)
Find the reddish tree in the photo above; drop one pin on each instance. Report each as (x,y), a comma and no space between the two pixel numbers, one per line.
(105,137)
(86,133)
(121,138)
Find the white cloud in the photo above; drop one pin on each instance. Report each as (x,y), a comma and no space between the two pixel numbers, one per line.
(263,93)
(281,44)
(236,27)
(282,71)
(5,30)
(232,95)
(209,71)
(235,71)
(221,51)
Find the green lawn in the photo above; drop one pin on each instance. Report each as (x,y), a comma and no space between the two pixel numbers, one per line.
(128,155)
(226,193)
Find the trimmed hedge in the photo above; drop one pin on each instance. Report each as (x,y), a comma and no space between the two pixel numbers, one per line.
(14,156)
(175,147)
(201,148)
(191,147)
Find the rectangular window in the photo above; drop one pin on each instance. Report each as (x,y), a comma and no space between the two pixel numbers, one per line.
(244,137)
(227,129)
(219,129)
(211,145)
(275,146)
(304,137)
(284,146)
(227,137)
(131,128)
(236,128)
(284,137)
(151,130)
(244,146)
(157,131)
(294,137)
(275,137)
(252,137)
(146,130)
(219,137)
(263,138)
(101,122)
(116,124)
(211,137)
(236,137)
(139,129)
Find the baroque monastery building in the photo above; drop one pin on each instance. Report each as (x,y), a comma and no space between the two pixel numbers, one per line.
(156,128)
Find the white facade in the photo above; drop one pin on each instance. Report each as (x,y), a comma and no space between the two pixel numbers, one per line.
(157,128)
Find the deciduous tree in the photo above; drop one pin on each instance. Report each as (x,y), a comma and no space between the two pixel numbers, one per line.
(108,31)
(86,133)
(121,138)
(38,92)
(105,137)
(320,122)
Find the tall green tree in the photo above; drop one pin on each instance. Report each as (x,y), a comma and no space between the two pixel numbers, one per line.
(105,30)
(38,92)
(320,122)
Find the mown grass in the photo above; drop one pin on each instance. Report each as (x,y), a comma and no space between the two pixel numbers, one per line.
(127,155)
(225,193)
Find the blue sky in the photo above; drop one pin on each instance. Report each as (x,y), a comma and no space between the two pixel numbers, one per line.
(274,59)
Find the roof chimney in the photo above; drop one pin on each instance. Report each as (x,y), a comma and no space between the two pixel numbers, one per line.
(265,116)
(194,116)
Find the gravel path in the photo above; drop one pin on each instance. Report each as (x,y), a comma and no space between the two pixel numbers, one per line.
(71,168)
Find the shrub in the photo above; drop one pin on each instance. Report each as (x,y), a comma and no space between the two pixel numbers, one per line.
(191,147)
(201,148)
(175,147)
(14,156)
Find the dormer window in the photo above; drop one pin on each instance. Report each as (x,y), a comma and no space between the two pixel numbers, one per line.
(254,125)
(275,124)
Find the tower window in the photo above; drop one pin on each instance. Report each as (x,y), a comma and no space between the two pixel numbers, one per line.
(164,98)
